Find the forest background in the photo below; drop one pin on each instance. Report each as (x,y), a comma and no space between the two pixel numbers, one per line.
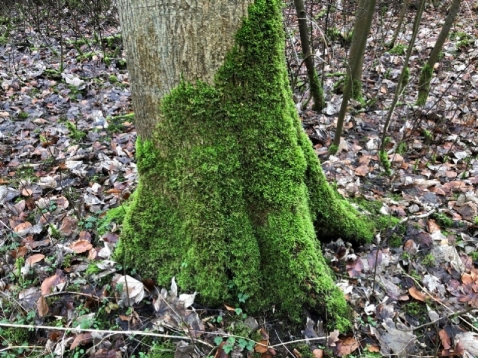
(67,145)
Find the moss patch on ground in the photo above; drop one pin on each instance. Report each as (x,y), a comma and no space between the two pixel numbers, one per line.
(230,189)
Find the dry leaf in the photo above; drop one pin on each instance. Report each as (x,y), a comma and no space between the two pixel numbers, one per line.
(49,283)
(346,346)
(81,339)
(22,229)
(362,170)
(432,226)
(261,346)
(42,307)
(35,258)
(68,226)
(81,246)
(445,339)
(416,294)
(318,353)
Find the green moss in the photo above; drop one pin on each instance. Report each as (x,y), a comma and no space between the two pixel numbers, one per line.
(416,309)
(164,349)
(22,115)
(115,215)
(333,149)
(357,91)
(14,336)
(317,93)
(395,241)
(424,84)
(474,255)
(398,49)
(381,222)
(74,132)
(443,220)
(428,260)
(402,148)
(387,166)
(230,188)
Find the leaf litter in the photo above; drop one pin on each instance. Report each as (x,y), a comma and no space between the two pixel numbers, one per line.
(67,156)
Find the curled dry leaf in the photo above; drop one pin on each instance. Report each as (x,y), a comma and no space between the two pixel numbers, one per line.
(333,338)
(35,258)
(22,229)
(416,294)
(81,339)
(261,346)
(42,307)
(445,339)
(81,246)
(187,299)
(432,226)
(135,290)
(49,283)
(347,346)
(410,247)
(318,353)
(354,268)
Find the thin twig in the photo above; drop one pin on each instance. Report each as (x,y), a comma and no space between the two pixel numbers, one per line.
(102,331)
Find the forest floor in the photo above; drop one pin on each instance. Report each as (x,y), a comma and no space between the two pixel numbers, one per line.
(67,156)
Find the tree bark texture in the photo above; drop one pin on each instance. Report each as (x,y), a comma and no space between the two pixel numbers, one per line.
(427,71)
(353,80)
(168,41)
(362,26)
(315,84)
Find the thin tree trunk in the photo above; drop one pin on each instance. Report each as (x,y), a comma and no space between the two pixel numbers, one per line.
(314,82)
(403,11)
(353,80)
(401,84)
(362,28)
(427,70)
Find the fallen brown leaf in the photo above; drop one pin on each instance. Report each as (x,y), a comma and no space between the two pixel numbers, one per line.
(416,294)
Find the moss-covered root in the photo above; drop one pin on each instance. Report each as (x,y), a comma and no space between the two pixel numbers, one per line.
(424,84)
(230,188)
(333,215)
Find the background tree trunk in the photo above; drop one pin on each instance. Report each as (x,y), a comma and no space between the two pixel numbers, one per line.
(401,17)
(362,26)
(230,187)
(353,80)
(315,84)
(427,70)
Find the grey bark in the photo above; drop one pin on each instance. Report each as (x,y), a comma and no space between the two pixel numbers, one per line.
(167,41)
(314,82)
(425,77)
(362,26)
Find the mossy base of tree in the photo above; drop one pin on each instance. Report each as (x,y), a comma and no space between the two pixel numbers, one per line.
(231,193)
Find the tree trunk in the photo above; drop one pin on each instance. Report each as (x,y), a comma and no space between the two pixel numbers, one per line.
(427,70)
(229,185)
(353,80)
(362,26)
(315,85)
(401,17)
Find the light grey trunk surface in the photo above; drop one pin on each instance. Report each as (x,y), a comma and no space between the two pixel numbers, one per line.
(167,41)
